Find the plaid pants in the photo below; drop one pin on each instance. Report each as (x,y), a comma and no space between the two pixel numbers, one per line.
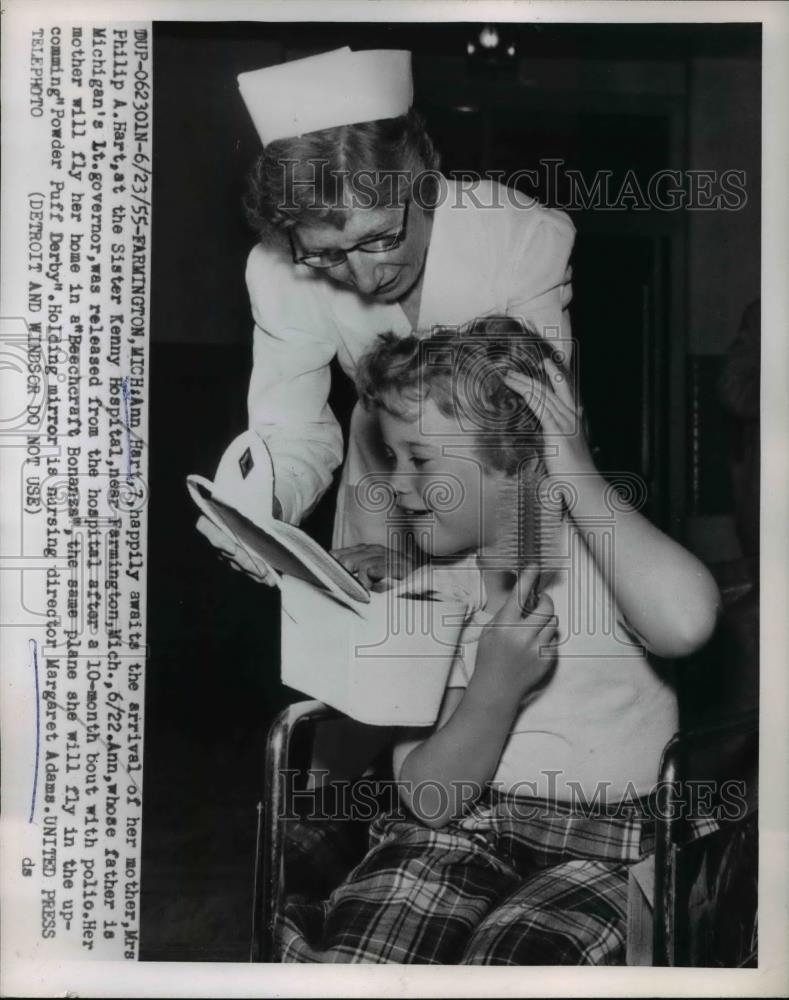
(504,885)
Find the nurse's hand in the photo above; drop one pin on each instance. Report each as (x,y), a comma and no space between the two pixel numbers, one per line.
(375,566)
(234,554)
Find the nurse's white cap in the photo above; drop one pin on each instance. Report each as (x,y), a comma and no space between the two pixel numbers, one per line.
(326,91)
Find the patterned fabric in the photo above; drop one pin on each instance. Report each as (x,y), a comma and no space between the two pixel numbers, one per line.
(319,855)
(514,882)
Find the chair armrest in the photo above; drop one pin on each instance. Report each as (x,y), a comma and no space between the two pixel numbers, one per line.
(723,751)
(715,734)
(270,849)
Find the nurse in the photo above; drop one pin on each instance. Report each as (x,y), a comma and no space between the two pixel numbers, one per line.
(360,234)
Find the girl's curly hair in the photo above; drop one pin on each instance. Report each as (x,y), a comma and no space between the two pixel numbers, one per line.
(462,370)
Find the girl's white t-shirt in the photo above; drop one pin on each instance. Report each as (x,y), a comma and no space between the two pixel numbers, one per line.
(600,723)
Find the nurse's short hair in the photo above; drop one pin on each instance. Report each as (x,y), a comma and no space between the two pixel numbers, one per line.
(317,177)
(462,371)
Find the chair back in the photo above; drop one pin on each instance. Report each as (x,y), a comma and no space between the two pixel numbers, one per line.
(706,887)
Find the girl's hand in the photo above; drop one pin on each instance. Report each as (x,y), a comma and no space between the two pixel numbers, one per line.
(374,564)
(560,416)
(517,649)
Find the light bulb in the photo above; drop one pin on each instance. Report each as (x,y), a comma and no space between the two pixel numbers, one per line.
(488,37)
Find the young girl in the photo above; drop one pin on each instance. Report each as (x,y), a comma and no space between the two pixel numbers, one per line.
(528,799)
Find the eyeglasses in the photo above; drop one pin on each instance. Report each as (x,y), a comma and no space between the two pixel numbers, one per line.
(333,258)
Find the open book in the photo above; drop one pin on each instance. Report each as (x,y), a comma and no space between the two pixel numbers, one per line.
(381,658)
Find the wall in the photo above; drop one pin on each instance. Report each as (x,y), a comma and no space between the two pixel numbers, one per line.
(724,133)
(204,143)
(724,265)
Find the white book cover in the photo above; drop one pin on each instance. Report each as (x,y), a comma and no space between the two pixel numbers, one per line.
(382,658)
